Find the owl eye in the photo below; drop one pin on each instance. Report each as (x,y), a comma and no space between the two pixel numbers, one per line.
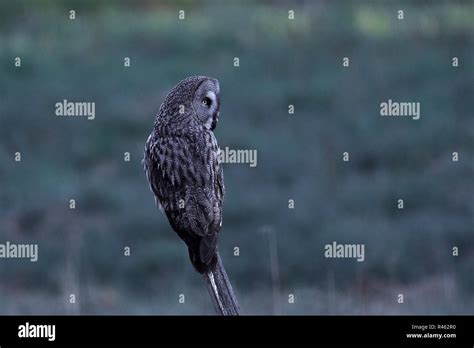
(206,102)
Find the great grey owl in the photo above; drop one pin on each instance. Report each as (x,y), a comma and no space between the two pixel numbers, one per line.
(181,161)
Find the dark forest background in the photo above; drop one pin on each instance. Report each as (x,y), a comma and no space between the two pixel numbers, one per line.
(282,62)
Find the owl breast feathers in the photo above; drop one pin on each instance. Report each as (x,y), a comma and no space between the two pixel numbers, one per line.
(182,167)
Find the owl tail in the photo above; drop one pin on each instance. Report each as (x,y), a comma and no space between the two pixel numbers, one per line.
(220,289)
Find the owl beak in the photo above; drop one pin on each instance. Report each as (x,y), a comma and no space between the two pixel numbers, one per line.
(215,119)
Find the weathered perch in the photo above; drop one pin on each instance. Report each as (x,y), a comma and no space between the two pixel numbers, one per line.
(220,289)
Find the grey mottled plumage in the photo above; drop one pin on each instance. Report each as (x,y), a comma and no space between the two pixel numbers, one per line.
(181,163)
(182,167)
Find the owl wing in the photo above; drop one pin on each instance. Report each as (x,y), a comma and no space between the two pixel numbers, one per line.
(185,175)
(168,167)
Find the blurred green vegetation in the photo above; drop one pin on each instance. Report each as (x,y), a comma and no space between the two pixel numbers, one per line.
(299,156)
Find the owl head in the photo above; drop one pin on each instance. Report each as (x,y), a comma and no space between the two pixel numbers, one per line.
(193,101)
